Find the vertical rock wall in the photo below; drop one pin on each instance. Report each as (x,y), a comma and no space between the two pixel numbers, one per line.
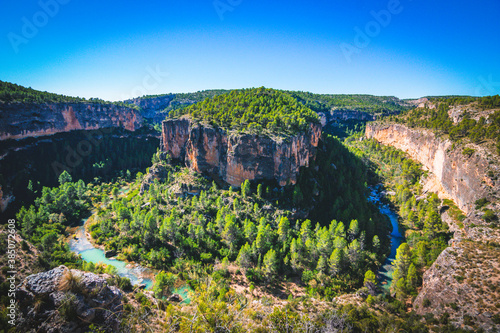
(235,157)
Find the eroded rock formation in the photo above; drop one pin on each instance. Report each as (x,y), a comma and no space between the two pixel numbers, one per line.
(21,120)
(235,157)
(64,300)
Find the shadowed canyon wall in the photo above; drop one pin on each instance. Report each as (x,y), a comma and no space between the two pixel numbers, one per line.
(21,120)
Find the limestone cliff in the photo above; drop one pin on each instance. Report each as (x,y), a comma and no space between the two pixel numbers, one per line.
(21,120)
(463,177)
(463,281)
(235,157)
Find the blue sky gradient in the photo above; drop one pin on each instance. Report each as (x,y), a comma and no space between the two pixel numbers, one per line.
(120,49)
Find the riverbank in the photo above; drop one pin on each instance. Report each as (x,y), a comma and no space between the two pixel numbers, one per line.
(82,243)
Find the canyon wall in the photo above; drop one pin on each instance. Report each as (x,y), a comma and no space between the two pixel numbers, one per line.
(235,157)
(457,283)
(463,177)
(21,120)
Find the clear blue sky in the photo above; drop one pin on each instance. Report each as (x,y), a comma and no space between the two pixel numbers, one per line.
(107,49)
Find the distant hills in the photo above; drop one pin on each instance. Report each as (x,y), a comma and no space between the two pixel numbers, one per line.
(164,103)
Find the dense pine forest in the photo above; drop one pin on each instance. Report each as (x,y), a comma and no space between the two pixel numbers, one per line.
(253,110)
(382,105)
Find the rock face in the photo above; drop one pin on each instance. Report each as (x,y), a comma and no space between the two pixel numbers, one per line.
(21,120)
(462,282)
(236,157)
(42,302)
(464,178)
(152,107)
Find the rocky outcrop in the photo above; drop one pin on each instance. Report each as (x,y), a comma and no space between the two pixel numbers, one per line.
(463,283)
(49,302)
(235,157)
(5,199)
(21,120)
(157,172)
(340,115)
(463,177)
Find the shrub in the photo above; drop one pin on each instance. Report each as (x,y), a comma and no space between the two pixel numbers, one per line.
(70,282)
(67,309)
(426,303)
(481,203)
(254,275)
(489,215)
(468,152)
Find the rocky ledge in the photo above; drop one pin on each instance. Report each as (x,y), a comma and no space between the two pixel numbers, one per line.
(68,300)
(235,157)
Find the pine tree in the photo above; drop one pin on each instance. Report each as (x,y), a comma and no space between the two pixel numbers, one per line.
(401,264)
(259,191)
(298,197)
(65,177)
(322,265)
(244,259)
(246,190)
(336,261)
(250,230)
(411,279)
(376,244)
(353,229)
(270,264)
(283,229)
(370,277)
(340,230)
